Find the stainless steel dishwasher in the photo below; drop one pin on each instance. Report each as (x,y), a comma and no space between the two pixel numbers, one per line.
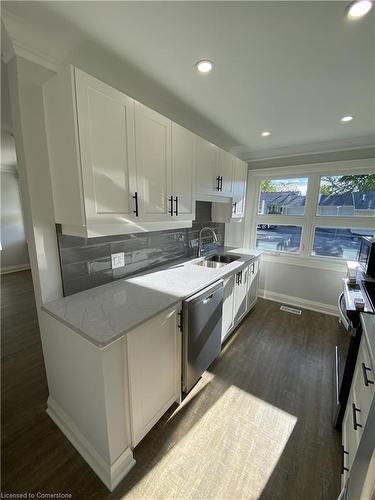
(202,314)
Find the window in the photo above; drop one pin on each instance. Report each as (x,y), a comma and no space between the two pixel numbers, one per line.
(278,238)
(282,196)
(347,196)
(312,214)
(338,242)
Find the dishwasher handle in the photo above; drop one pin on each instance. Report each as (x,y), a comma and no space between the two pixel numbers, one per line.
(204,295)
(343,318)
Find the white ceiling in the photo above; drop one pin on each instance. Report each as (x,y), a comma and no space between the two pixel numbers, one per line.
(293,68)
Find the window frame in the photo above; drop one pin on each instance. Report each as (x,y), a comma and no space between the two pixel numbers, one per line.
(310,220)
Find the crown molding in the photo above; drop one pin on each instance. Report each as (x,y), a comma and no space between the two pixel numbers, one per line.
(344,166)
(19,38)
(333,146)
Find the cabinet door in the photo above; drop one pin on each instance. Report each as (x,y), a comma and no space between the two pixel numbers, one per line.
(239,188)
(240,295)
(106,136)
(154,364)
(348,445)
(363,382)
(206,167)
(228,306)
(153,163)
(252,293)
(253,280)
(225,171)
(182,191)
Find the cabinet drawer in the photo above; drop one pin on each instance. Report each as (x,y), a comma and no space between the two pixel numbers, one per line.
(363,383)
(350,437)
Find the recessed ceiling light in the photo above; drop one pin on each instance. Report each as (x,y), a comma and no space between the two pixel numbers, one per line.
(265,133)
(347,118)
(204,66)
(359,9)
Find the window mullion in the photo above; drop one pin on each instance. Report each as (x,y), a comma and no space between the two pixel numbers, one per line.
(312,199)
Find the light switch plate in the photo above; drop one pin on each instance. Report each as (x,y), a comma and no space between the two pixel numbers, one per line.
(118,260)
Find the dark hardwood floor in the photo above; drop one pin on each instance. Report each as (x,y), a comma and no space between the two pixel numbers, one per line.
(258,424)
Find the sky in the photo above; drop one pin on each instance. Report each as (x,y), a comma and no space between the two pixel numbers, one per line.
(294,184)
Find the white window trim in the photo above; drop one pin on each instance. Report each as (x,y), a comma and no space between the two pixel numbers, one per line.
(310,220)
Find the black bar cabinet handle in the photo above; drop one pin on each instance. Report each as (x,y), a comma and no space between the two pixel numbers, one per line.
(365,369)
(135,198)
(176,203)
(343,468)
(179,325)
(221,183)
(234,207)
(356,425)
(170,211)
(218,183)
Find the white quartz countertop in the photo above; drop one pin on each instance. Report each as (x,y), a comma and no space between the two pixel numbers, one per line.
(105,313)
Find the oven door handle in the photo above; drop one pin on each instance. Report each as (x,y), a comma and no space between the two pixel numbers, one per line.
(343,318)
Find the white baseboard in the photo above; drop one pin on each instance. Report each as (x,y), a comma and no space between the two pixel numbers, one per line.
(298,302)
(110,474)
(14,269)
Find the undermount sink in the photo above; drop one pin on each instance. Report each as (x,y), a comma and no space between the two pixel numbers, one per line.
(224,258)
(217,261)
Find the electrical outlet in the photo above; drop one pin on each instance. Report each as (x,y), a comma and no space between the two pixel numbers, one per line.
(118,260)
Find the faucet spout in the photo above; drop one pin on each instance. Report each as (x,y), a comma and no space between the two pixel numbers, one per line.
(214,237)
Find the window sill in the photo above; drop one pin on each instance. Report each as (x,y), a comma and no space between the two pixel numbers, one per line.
(312,262)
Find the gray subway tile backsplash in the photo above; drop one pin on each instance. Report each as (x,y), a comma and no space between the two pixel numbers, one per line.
(86,263)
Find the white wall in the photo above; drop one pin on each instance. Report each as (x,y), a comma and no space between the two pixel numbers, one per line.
(300,285)
(25,86)
(14,254)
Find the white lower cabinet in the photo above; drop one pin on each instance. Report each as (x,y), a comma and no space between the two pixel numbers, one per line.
(105,399)
(253,280)
(228,306)
(154,367)
(240,295)
(357,409)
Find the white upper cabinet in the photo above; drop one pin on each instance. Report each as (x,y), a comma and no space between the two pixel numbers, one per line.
(181,197)
(119,167)
(153,163)
(214,170)
(90,134)
(239,188)
(206,163)
(225,173)
(106,136)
